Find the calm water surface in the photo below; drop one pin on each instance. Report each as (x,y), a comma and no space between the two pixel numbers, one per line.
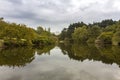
(63,62)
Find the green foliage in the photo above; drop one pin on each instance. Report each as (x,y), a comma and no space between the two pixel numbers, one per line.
(105,37)
(106,31)
(42,41)
(16,43)
(93,33)
(103,23)
(13,30)
(20,35)
(1,43)
(91,40)
(72,27)
(44,37)
(63,34)
(67,32)
(116,38)
(80,34)
(39,30)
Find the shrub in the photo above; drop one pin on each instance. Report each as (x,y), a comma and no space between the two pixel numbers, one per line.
(116,38)
(105,37)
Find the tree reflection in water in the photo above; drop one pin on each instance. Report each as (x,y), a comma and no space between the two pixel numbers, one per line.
(44,50)
(19,57)
(107,54)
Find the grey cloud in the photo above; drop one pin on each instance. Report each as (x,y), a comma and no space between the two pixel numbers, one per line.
(15,1)
(58,12)
(84,8)
(59,7)
(22,15)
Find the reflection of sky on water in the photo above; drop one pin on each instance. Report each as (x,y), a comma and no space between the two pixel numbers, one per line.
(59,67)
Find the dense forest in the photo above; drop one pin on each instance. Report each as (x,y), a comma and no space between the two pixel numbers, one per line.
(12,34)
(104,32)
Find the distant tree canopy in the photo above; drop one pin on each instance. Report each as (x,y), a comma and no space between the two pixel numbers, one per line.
(103,23)
(106,31)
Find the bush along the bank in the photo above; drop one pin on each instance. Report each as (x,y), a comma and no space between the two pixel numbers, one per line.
(116,38)
(1,43)
(105,38)
(16,43)
(42,41)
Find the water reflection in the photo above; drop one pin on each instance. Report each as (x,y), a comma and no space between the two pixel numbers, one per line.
(107,54)
(44,50)
(16,56)
(45,64)
(19,57)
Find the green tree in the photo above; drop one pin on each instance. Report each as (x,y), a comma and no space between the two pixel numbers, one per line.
(39,30)
(116,38)
(93,33)
(105,37)
(80,34)
(63,34)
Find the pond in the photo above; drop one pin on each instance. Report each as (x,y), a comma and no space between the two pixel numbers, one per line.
(62,62)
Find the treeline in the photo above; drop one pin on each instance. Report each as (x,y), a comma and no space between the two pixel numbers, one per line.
(12,34)
(104,32)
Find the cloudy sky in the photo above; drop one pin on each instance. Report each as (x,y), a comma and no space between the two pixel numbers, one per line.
(58,14)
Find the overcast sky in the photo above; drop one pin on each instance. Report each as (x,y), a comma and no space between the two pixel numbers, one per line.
(58,14)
